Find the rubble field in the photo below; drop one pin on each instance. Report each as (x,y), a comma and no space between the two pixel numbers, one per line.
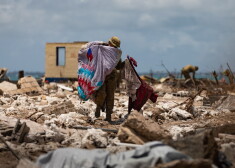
(198,121)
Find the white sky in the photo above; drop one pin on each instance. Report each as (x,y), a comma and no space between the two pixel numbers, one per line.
(175,32)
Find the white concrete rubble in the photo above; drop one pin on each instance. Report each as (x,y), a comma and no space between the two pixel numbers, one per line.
(7,86)
(180,131)
(95,138)
(182,114)
(71,119)
(167,106)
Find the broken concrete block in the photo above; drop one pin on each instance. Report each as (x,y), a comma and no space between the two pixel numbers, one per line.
(198,98)
(201,145)
(95,138)
(84,111)
(61,108)
(211,113)
(164,116)
(52,123)
(129,136)
(183,93)
(157,114)
(71,119)
(52,98)
(176,132)
(182,114)
(60,94)
(168,96)
(7,86)
(45,137)
(167,106)
(173,115)
(52,136)
(74,139)
(6,100)
(28,85)
(180,131)
(11,111)
(228,103)
(146,129)
(147,114)
(228,149)
(227,137)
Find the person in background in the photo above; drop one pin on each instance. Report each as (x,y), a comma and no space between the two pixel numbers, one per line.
(229,76)
(185,71)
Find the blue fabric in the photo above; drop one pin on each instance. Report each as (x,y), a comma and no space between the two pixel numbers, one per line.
(81,93)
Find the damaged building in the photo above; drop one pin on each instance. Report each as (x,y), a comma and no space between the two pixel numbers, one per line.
(61,61)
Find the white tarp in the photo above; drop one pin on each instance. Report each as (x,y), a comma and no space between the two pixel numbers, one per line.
(147,155)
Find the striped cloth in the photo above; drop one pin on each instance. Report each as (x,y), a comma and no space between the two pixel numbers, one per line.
(95,62)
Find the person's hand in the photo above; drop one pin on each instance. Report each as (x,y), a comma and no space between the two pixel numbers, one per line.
(105,44)
(133,61)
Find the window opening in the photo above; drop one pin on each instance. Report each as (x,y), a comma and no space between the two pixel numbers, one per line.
(60,56)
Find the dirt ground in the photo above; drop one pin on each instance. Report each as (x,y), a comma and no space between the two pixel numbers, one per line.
(8,160)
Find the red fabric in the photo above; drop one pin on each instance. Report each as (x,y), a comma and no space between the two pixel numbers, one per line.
(143,93)
(133,61)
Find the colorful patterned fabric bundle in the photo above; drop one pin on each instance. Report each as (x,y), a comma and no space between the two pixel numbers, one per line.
(95,62)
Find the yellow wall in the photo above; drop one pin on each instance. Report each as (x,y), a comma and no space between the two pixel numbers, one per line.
(69,70)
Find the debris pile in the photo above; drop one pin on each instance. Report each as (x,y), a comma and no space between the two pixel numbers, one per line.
(138,130)
(197,123)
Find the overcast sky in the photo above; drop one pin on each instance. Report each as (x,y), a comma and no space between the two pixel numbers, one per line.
(175,32)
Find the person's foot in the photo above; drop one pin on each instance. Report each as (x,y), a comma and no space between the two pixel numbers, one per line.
(126,116)
(103,109)
(97,112)
(108,119)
